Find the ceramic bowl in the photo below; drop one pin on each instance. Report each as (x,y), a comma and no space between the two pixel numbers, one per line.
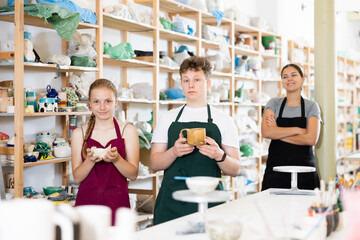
(202,185)
(62,151)
(48,139)
(100,152)
(50,190)
(225,229)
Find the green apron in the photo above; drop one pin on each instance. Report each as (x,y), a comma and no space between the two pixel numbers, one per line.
(193,164)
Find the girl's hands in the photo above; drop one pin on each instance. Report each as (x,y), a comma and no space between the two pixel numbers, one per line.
(211,149)
(112,155)
(181,148)
(91,157)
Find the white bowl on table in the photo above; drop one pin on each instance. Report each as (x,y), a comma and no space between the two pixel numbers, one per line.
(224,229)
(202,185)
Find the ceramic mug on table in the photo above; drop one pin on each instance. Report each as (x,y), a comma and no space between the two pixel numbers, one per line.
(94,221)
(32,219)
(194,136)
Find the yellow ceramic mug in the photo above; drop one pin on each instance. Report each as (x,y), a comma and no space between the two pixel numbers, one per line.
(195,136)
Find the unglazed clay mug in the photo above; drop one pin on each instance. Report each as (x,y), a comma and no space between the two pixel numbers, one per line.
(194,136)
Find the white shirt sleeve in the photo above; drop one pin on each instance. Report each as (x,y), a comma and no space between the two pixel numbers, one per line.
(160,134)
(229,132)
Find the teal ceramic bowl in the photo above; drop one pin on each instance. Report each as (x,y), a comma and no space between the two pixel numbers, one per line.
(51,190)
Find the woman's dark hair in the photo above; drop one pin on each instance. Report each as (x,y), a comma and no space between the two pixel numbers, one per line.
(196,63)
(294,66)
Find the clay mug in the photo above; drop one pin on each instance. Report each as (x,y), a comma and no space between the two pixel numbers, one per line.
(94,221)
(194,136)
(32,219)
(51,92)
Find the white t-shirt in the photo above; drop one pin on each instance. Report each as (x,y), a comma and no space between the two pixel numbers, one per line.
(226,125)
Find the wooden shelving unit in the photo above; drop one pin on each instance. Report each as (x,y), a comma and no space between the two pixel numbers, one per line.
(157,34)
(347,107)
(20,19)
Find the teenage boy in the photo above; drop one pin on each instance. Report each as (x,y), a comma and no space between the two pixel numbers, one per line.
(171,153)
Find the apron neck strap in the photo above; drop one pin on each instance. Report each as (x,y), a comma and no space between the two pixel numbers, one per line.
(210,120)
(302,107)
(179,114)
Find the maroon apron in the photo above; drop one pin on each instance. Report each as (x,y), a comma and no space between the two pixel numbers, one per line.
(105,185)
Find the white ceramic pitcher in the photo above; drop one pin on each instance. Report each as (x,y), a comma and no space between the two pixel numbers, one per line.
(32,219)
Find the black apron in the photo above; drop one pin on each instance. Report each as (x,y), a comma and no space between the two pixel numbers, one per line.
(287,154)
(193,164)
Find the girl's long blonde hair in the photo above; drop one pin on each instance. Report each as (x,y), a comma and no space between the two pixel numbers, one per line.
(99,83)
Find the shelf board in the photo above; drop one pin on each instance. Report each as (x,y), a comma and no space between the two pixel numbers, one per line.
(220,74)
(127,63)
(221,104)
(209,19)
(171,6)
(7,163)
(165,68)
(144,217)
(247,104)
(271,80)
(40,22)
(50,161)
(51,67)
(244,51)
(270,56)
(167,102)
(239,77)
(176,36)
(6,114)
(248,158)
(46,114)
(245,28)
(267,33)
(248,132)
(151,175)
(134,100)
(129,25)
(208,44)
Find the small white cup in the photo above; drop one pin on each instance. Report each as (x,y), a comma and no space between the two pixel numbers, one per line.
(95,221)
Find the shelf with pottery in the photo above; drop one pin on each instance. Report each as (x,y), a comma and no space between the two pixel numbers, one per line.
(244,51)
(208,44)
(45,114)
(241,104)
(270,80)
(129,25)
(166,102)
(39,22)
(209,19)
(51,67)
(170,6)
(128,63)
(48,161)
(22,19)
(176,37)
(347,129)
(241,78)
(217,74)
(135,100)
